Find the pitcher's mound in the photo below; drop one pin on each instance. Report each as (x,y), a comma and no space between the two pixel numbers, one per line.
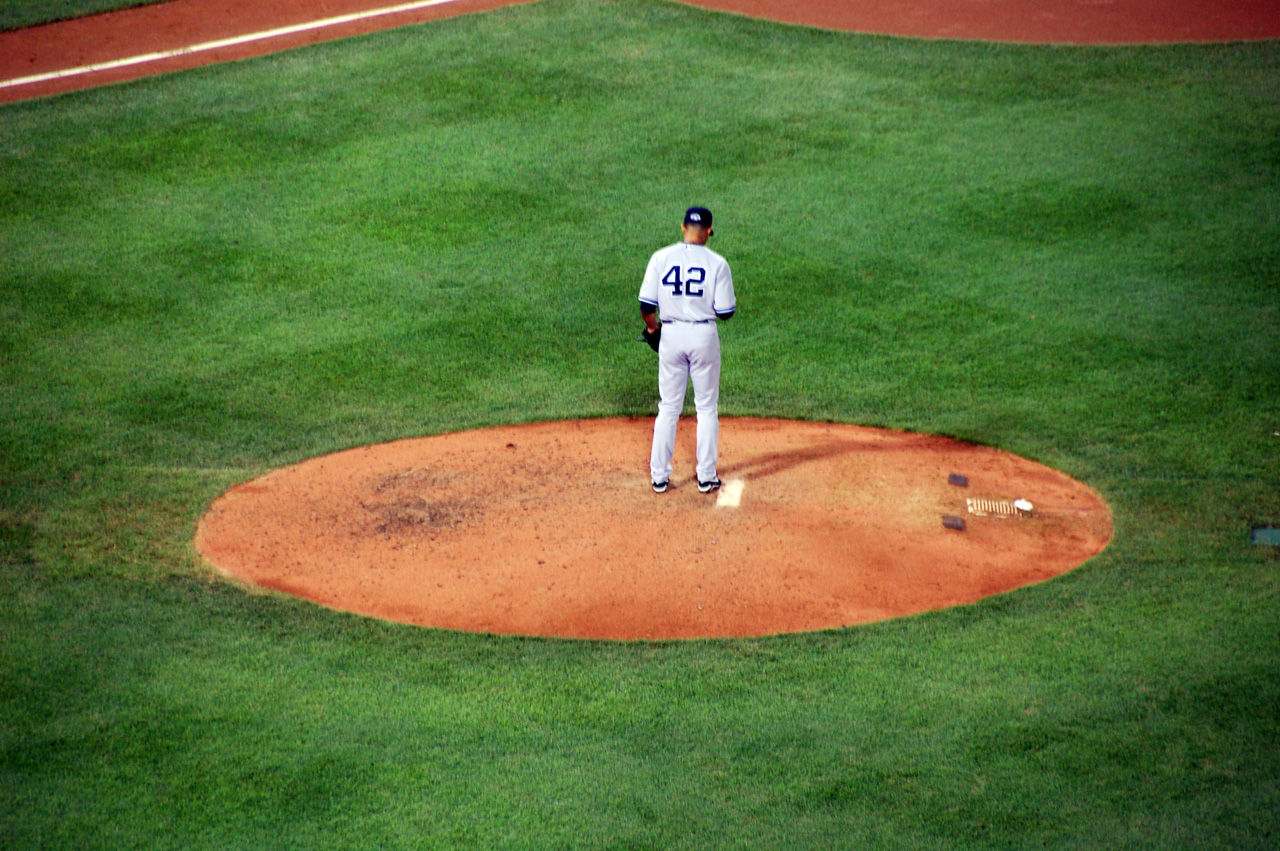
(553,529)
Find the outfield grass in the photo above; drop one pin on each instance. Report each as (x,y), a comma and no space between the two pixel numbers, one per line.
(16,14)
(1068,253)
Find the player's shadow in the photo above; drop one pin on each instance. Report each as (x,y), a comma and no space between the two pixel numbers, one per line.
(777,462)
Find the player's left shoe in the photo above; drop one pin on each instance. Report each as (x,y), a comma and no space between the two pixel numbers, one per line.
(659,487)
(708,487)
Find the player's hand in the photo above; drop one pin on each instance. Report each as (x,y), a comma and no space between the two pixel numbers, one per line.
(653,337)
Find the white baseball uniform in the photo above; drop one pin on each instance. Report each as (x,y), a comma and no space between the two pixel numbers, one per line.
(690,285)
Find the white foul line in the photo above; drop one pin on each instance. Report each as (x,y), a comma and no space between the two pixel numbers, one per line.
(226,42)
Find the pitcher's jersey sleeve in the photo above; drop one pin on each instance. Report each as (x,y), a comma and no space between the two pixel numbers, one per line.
(649,286)
(724,301)
(688,282)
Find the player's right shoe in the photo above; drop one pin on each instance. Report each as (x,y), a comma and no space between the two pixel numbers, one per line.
(708,487)
(660,487)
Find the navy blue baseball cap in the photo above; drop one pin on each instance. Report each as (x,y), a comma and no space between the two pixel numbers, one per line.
(698,216)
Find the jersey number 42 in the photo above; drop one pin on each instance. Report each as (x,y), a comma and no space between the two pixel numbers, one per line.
(685,283)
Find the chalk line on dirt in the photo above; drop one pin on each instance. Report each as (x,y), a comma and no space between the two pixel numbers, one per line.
(224,42)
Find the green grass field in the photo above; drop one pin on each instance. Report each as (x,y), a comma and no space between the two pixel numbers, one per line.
(16,14)
(1068,253)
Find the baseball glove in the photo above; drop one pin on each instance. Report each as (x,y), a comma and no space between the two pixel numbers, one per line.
(652,337)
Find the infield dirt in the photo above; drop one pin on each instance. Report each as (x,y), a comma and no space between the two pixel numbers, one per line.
(552,529)
(179,24)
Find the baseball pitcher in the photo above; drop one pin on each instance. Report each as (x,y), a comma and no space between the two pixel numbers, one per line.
(687,288)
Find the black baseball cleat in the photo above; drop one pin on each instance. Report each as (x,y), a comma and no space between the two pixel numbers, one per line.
(708,487)
(660,487)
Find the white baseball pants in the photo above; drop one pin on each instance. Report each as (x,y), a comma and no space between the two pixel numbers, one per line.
(689,353)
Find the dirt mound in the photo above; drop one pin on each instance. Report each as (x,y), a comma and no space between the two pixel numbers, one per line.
(553,530)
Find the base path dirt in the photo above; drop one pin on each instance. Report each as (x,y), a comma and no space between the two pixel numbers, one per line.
(164,37)
(1029,21)
(553,530)
(45,60)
